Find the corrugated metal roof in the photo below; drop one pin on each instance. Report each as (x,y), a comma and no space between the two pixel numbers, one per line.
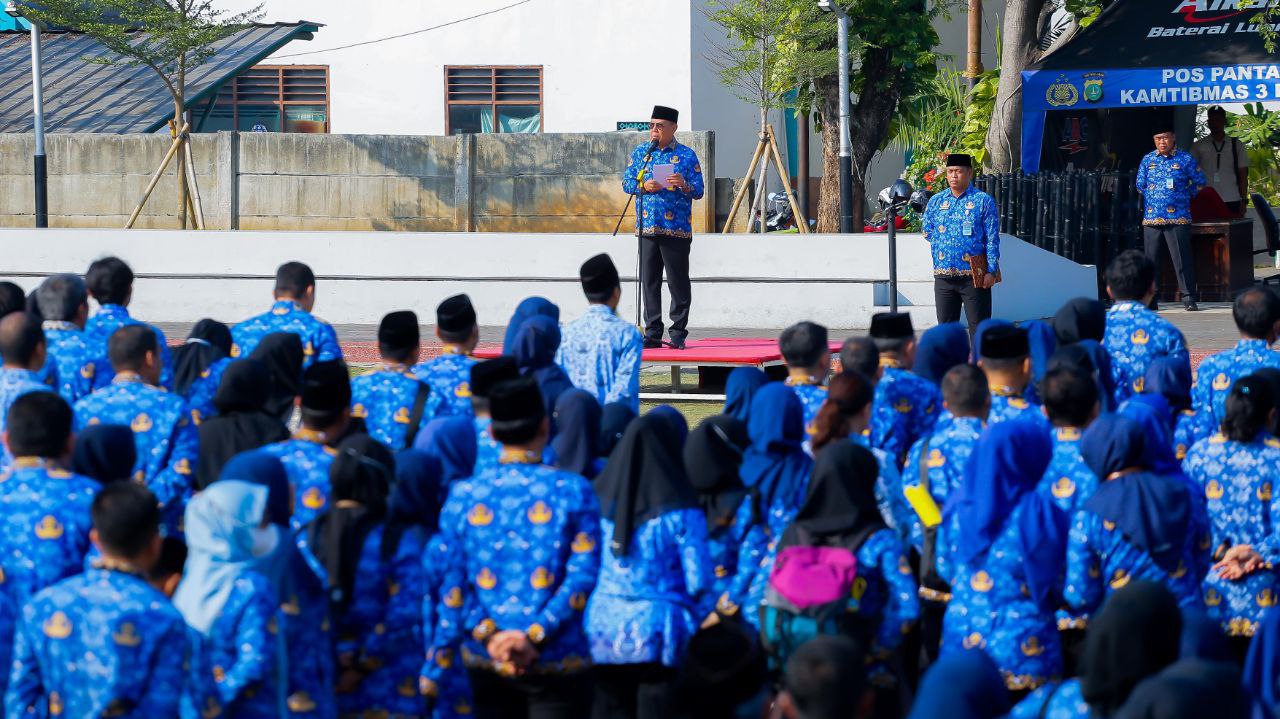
(80,96)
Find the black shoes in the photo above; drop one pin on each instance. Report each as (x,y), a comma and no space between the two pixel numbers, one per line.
(652,344)
(675,344)
(1191,306)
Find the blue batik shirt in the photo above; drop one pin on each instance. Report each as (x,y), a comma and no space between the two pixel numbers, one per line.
(904,409)
(1008,403)
(527,538)
(449,377)
(306,459)
(308,640)
(960,227)
(890,500)
(1217,373)
(1068,481)
(1136,337)
(488,449)
(166,438)
(1053,701)
(644,607)
(601,353)
(385,401)
(319,341)
(669,211)
(1191,427)
(950,445)
(100,644)
(1167,184)
(98,331)
(15,382)
(200,393)
(735,550)
(1238,479)
(812,394)
(443,678)
(44,525)
(885,597)
(745,589)
(73,361)
(243,649)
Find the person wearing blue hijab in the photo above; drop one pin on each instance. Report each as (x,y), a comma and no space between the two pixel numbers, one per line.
(452,441)
(1004,566)
(775,464)
(615,417)
(1138,525)
(961,685)
(1043,344)
(740,388)
(228,602)
(1170,377)
(536,344)
(528,307)
(1088,355)
(1262,667)
(1153,413)
(576,445)
(105,452)
(940,348)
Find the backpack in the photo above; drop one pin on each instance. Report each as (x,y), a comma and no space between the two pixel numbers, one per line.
(810,593)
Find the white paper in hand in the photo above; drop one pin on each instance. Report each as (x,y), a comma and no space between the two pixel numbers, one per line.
(662,172)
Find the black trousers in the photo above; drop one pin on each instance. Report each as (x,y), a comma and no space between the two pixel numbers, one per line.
(563,696)
(671,253)
(951,293)
(1178,238)
(632,691)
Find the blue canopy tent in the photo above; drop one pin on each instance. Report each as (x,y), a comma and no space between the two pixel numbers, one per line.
(1145,54)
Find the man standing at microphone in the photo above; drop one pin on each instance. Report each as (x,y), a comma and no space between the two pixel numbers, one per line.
(669,178)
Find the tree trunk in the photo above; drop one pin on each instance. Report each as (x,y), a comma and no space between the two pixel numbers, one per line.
(870,118)
(829,189)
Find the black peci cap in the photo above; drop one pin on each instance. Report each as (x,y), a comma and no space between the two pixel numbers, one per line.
(399,330)
(891,326)
(456,315)
(490,373)
(662,112)
(326,386)
(598,275)
(959,159)
(1005,342)
(516,402)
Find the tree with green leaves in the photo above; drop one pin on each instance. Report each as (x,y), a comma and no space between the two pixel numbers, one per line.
(169,37)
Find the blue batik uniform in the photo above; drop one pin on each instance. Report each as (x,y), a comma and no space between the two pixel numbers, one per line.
(385,400)
(644,607)
(992,609)
(449,377)
(527,537)
(1008,403)
(741,589)
(1135,337)
(304,610)
(812,394)
(885,597)
(442,679)
(1238,479)
(958,228)
(904,409)
(669,211)
(601,353)
(15,382)
(306,459)
(98,331)
(890,500)
(1191,427)
(242,650)
(200,394)
(100,644)
(73,362)
(1068,481)
(1217,373)
(949,448)
(1066,702)
(319,341)
(166,438)
(1167,184)
(488,449)
(44,525)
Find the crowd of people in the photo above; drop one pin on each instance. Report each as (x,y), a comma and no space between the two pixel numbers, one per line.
(1059,519)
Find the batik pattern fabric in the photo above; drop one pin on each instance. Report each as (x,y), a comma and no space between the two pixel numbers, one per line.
(1135,337)
(44,524)
(1167,184)
(992,609)
(165,436)
(1237,479)
(644,607)
(745,589)
(9,617)
(14,383)
(527,539)
(306,459)
(385,400)
(1217,373)
(812,394)
(1191,427)
(1068,483)
(242,650)
(885,598)
(488,449)
(73,363)
(950,445)
(96,645)
(669,211)
(1008,403)
(319,341)
(1053,701)
(958,228)
(200,393)
(890,500)
(101,326)
(449,377)
(744,539)
(443,677)
(601,353)
(905,408)
(308,641)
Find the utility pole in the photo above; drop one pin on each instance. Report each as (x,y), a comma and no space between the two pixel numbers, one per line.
(41,169)
(846,145)
(973,68)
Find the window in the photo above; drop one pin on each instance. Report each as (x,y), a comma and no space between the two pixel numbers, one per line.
(492,99)
(270,98)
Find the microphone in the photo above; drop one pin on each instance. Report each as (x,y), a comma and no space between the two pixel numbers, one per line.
(653,146)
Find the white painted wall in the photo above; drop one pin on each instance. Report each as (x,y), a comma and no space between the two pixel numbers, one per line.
(740,281)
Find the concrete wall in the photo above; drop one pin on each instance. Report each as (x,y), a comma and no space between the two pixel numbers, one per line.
(739,281)
(271,181)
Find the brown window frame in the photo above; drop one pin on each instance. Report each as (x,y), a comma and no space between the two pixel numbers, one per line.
(494,103)
(280,103)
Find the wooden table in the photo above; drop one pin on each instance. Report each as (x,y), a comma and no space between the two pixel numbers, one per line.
(1223,256)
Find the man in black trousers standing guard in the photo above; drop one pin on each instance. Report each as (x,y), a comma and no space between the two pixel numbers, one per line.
(668,177)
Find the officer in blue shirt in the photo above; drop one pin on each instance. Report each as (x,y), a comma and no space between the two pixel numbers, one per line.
(22,347)
(104,643)
(906,405)
(1168,178)
(807,352)
(73,360)
(110,282)
(600,351)
(1257,316)
(1136,336)
(394,404)
(449,375)
(484,377)
(963,230)
(295,296)
(326,415)
(666,225)
(1006,358)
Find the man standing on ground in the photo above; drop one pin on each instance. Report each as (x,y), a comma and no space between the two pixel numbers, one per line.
(110,282)
(1224,161)
(600,351)
(1168,178)
(671,178)
(295,297)
(963,230)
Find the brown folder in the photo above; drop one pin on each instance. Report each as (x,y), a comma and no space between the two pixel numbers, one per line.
(978,267)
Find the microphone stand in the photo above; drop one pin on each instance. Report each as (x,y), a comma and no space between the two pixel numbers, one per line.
(638,196)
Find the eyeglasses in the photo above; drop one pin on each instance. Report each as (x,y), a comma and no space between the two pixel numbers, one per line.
(658,125)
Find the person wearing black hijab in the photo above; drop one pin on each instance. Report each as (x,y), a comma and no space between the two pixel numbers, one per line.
(282,354)
(105,452)
(654,567)
(1190,689)
(209,341)
(615,417)
(1080,319)
(241,423)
